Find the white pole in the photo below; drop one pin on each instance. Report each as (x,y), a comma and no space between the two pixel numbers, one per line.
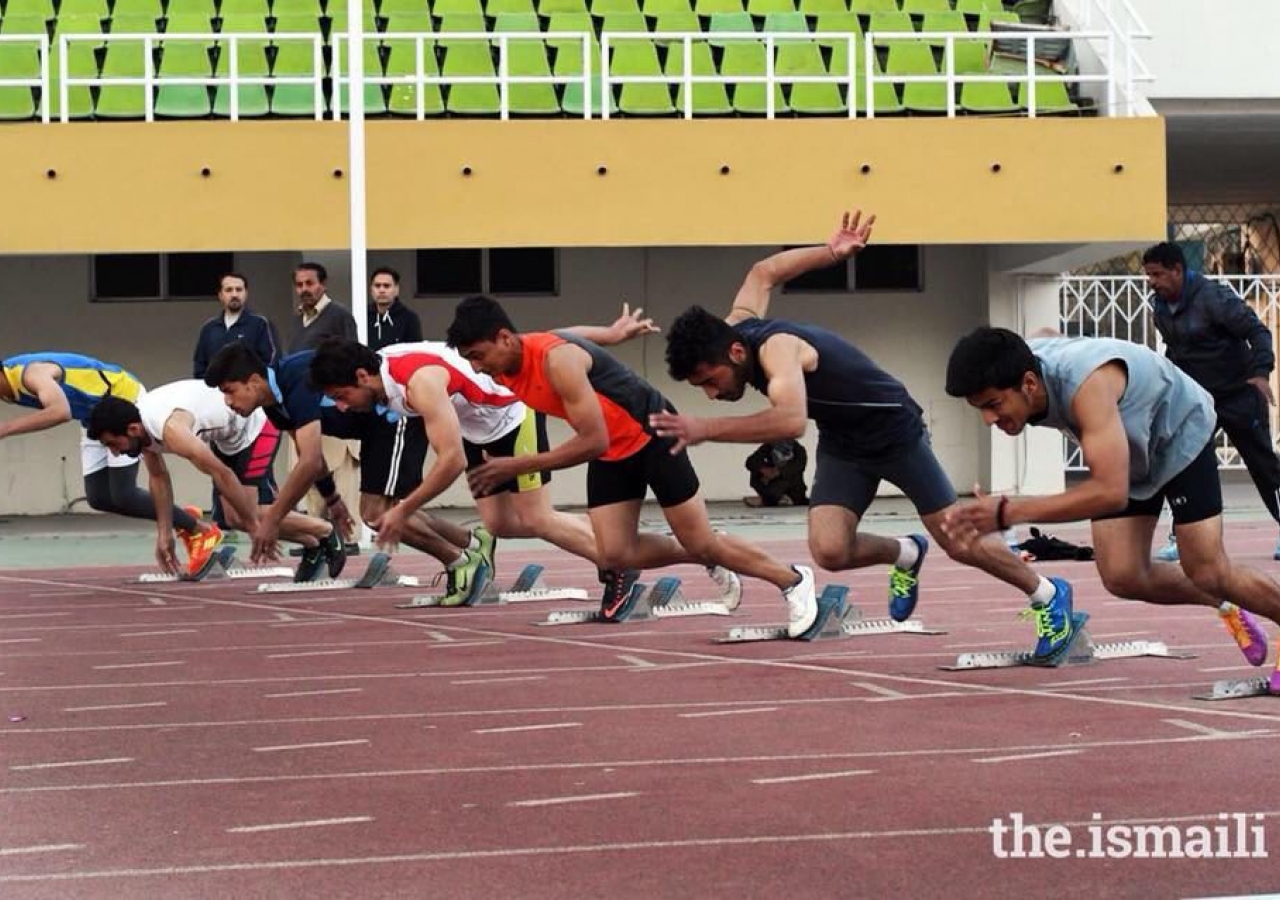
(355,166)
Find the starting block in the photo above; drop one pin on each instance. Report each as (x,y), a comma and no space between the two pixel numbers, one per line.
(1238,689)
(1082,651)
(662,600)
(528,587)
(221,566)
(837,618)
(378,574)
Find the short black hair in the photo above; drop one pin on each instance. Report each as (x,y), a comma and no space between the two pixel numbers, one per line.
(322,274)
(336,361)
(989,358)
(477,319)
(226,275)
(385,270)
(236,361)
(697,337)
(111,415)
(1167,254)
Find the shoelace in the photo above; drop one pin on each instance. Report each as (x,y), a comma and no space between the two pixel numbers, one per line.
(1043,617)
(901,582)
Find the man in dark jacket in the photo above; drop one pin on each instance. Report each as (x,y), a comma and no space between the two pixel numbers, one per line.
(236,323)
(390,321)
(319,317)
(1213,335)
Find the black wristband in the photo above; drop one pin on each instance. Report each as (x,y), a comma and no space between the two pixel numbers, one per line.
(326,487)
(1000,523)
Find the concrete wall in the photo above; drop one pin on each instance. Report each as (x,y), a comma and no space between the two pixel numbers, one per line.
(909,333)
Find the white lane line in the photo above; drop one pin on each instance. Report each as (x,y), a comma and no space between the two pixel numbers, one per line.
(997,759)
(1238,667)
(1059,684)
(313,693)
(728,712)
(70,763)
(150,665)
(971,645)
(159,633)
(314,746)
(514,728)
(39,615)
(307,653)
(579,798)
(440,637)
(310,823)
(156,601)
(1209,730)
(879,689)
(637,661)
(21,640)
(39,848)
(115,706)
(816,776)
(294,623)
(500,680)
(285,617)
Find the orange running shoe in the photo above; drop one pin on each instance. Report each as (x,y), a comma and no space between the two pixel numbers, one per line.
(195,513)
(202,548)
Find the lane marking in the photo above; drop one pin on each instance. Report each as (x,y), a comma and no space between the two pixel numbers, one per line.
(158,633)
(816,776)
(729,712)
(309,823)
(579,798)
(308,653)
(150,665)
(500,680)
(319,744)
(39,848)
(515,728)
(313,693)
(115,706)
(31,767)
(1018,756)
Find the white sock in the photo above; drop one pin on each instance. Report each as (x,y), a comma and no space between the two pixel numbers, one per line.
(1225,608)
(462,558)
(1043,593)
(474,543)
(908,553)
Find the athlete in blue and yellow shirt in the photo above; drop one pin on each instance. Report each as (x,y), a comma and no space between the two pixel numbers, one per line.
(65,386)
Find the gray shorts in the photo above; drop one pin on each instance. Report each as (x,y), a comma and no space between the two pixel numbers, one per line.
(852,483)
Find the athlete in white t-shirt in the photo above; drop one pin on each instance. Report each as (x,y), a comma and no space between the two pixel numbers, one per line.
(189,419)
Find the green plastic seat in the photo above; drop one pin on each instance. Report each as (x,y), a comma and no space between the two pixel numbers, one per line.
(971,58)
(124,59)
(294,59)
(917,59)
(402,99)
(18,60)
(896,22)
(551,7)
(812,99)
(748,58)
(709,99)
(528,57)
(441,8)
(613,7)
(837,23)
(410,23)
(251,62)
(940,22)
(388,8)
(188,23)
(297,23)
(1052,98)
(987,98)
(568,62)
(507,7)
(183,8)
(674,22)
(570,22)
(729,22)
(232,8)
(506,22)
(822,7)
(131,23)
(986,20)
(920,7)
(298,8)
(244,23)
(183,59)
(24,25)
(126,8)
(786,23)
(884,94)
(768,7)
(40,9)
(870,7)
(665,7)
(631,22)
(338,20)
(470,58)
(81,63)
(460,23)
(97,8)
(637,57)
(975,7)
(717,7)
(375,100)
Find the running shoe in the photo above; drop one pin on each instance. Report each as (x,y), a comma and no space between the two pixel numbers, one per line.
(1250,637)
(904,584)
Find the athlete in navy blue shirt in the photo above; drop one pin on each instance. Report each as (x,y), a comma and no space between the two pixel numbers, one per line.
(869,427)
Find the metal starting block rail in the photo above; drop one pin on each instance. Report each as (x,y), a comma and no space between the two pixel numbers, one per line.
(528,587)
(221,566)
(1081,651)
(837,618)
(378,574)
(1238,689)
(661,600)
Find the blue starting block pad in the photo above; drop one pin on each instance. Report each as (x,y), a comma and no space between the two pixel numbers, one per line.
(837,618)
(1080,651)
(528,587)
(661,600)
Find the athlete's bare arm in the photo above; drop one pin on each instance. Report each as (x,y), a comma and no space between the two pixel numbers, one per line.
(44,381)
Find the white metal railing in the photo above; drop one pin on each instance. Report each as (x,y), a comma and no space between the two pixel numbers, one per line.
(149,79)
(42,48)
(1119,306)
(1121,20)
(952,79)
(502,78)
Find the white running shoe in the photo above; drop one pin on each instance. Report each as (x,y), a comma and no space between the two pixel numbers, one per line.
(730,586)
(802,603)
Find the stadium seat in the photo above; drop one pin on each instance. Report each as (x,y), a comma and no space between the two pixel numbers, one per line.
(188,23)
(403,98)
(748,58)
(460,23)
(837,23)
(124,59)
(568,62)
(375,102)
(870,7)
(907,58)
(709,99)
(470,58)
(885,95)
(251,62)
(731,22)
(717,7)
(675,21)
(528,58)
(987,98)
(821,7)
(24,25)
(338,20)
(443,8)
(786,23)
(244,23)
(920,7)
(939,22)
(295,58)
(296,23)
(666,7)
(81,63)
(526,21)
(631,22)
(409,23)
(507,7)
(1052,98)
(896,22)
(769,7)
(971,57)
(18,60)
(96,8)
(389,8)
(292,8)
(612,7)
(552,7)
(979,6)
(183,59)
(234,8)
(814,99)
(184,8)
(637,57)
(39,9)
(136,8)
(986,20)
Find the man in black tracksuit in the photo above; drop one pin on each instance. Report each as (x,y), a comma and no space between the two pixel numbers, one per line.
(390,321)
(1212,335)
(236,323)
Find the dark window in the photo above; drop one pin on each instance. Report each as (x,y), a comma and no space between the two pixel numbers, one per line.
(450,272)
(195,275)
(127,276)
(832,279)
(888,267)
(522,270)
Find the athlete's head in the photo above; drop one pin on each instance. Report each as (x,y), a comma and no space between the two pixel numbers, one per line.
(1166,268)
(233,292)
(241,376)
(483,334)
(117,425)
(704,350)
(349,373)
(996,372)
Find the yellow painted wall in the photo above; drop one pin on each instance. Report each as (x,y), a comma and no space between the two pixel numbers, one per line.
(272,185)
